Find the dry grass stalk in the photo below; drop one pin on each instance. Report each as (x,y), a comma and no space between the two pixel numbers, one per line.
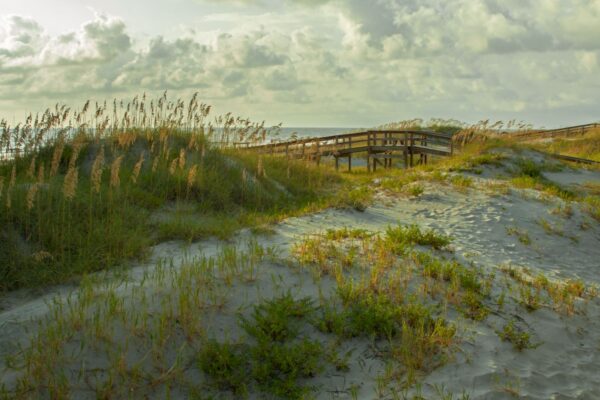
(115,180)
(70,183)
(182,159)
(41,174)
(31,169)
(31,193)
(56,156)
(192,177)
(244,177)
(173,166)
(13,177)
(155,164)
(137,168)
(126,139)
(77,146)
(260,168)
(97,169)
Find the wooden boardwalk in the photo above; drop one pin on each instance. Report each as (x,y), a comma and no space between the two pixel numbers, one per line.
(381,147)
(570,131)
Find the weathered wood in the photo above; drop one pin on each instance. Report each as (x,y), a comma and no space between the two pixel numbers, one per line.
(377,145)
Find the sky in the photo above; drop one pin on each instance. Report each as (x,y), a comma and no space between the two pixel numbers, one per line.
(349,63)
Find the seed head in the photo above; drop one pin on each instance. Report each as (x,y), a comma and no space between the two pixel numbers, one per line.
(97,169)
(115,180)
(70,183)
(191,177)
(182,159)
(56,156)
(31,195)
(137,168)
(31,170)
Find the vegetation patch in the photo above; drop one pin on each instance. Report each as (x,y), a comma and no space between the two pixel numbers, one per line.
(274,359)
(76,200)
(520,339)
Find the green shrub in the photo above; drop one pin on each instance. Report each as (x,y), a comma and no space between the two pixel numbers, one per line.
(226,366)
(521,340)
(400,236)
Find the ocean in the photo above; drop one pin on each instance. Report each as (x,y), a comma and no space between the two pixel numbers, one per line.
(286,133)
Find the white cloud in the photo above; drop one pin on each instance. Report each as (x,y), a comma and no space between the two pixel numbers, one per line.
(336,61)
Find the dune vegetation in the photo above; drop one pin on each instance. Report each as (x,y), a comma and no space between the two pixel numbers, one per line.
(337,299)
(88,189)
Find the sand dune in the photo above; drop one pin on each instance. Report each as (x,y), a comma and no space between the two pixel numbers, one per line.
(566,363)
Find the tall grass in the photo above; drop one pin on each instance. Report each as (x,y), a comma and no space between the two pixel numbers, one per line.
(80,187)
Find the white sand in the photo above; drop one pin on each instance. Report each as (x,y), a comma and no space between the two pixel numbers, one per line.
(565,366)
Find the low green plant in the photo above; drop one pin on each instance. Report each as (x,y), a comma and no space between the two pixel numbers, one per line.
(275,359)
(528,167)
(278,368)
(549,228)
(522,235)
(226,366)
(520,339)
(472,306)
(278,319)
(346,233)
(400,236)
(592,205)
(416,190)
(358,199)
(461,181)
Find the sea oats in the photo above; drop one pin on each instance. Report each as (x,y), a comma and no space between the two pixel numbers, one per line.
(192,177)
(259,167)
(173,166)
(41,173)
(56,157)
(13,177)
(31,194)
(182,159)
(192,142)
(31,169)
(155,164)
(137,168)
(97,169)
(115,180)
(70,183)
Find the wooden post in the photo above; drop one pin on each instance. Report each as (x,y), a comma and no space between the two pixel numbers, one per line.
(412,143)
(368,152)
(405,151)
(350,154)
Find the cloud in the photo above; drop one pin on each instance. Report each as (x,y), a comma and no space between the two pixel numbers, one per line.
(20,38)
(329,60)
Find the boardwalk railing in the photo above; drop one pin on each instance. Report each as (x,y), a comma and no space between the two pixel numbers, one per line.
(551,133)
(380,147)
